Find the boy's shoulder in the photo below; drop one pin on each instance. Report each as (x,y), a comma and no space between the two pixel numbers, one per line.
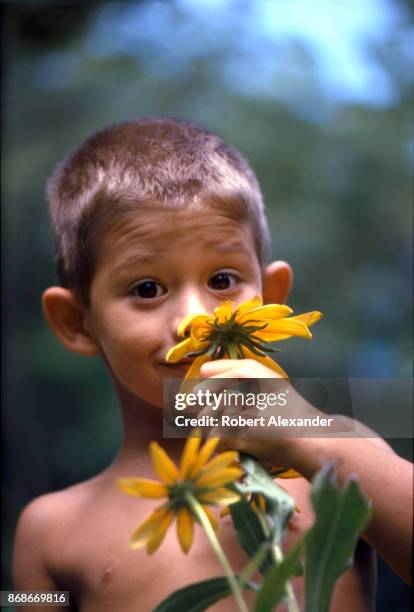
(49,509)
(43,527)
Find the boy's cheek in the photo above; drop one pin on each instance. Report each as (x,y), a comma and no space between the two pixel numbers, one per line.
(131,366)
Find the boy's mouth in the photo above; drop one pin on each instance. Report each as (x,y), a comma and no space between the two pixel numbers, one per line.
(182,365)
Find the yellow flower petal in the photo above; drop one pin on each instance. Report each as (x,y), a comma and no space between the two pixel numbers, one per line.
(164,466)
(142,487)
(194,371)
(225,511)
(159,533)
(223,312)
(193,319)
(220,496)
(220,478)
(266,361)
(189,454)
(286,473)
(211,517)
(309,318)
(216,465)
(200,335)
(185,529)
(204,455)
(187,384)
(260,504)
(264,313)
(255,302)
(179,351)
(146,530)
(283,328)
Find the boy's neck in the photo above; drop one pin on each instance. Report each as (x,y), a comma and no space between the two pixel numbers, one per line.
(142,423)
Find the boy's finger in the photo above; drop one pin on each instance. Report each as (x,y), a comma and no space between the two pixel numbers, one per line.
(217,366)
(234,373)
(218,382)
(226,444)
(241,368)
(213,384)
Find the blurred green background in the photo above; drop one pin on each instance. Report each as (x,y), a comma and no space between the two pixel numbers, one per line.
(318,97)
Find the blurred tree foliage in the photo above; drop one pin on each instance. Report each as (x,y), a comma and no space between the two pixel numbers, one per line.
(336,178)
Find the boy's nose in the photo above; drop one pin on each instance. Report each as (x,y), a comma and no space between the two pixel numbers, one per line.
(189,305)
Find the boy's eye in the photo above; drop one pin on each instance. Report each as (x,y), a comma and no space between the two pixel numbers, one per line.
(222,280)
(148,290)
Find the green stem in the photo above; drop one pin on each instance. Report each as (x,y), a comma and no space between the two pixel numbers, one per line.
(232,351)
(262,518)
(291,599)
(202,517)
(254,564)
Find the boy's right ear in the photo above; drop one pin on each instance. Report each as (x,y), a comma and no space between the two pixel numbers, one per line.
(66,317)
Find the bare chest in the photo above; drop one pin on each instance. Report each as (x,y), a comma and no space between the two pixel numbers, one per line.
(97,565)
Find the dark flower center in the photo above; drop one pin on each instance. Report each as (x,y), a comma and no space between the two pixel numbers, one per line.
(228,339)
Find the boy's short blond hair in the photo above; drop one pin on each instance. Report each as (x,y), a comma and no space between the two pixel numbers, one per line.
(161,163)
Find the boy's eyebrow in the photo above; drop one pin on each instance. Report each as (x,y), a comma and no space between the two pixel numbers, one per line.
(148,257)
(225,247)
(136,258)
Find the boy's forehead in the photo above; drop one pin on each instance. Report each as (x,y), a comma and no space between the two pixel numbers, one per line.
(157,231)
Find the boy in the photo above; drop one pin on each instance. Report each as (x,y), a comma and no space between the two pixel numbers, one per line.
(153,219)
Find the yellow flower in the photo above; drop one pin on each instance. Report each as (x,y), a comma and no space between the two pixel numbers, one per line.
(199,475)
(242,333)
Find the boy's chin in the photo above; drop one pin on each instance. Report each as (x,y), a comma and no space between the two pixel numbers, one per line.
(131,397)
(150,401)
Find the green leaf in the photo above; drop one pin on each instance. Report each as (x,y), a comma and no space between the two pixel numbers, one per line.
(195,597)
(250,532)
(199,596)
(341,515)
(279,505)
(273,588)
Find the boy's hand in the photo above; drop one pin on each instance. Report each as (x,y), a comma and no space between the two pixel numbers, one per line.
(276,446)
(263,443)
(236,368)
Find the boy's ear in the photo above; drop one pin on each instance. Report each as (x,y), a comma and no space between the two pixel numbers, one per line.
(277,282)
(66,318)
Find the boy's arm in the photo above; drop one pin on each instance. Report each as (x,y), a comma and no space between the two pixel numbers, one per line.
(30,571)
(386,478)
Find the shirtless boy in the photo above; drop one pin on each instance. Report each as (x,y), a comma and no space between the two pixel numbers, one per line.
(153,219)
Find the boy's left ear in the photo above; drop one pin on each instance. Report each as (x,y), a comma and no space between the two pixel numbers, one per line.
(277,282)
